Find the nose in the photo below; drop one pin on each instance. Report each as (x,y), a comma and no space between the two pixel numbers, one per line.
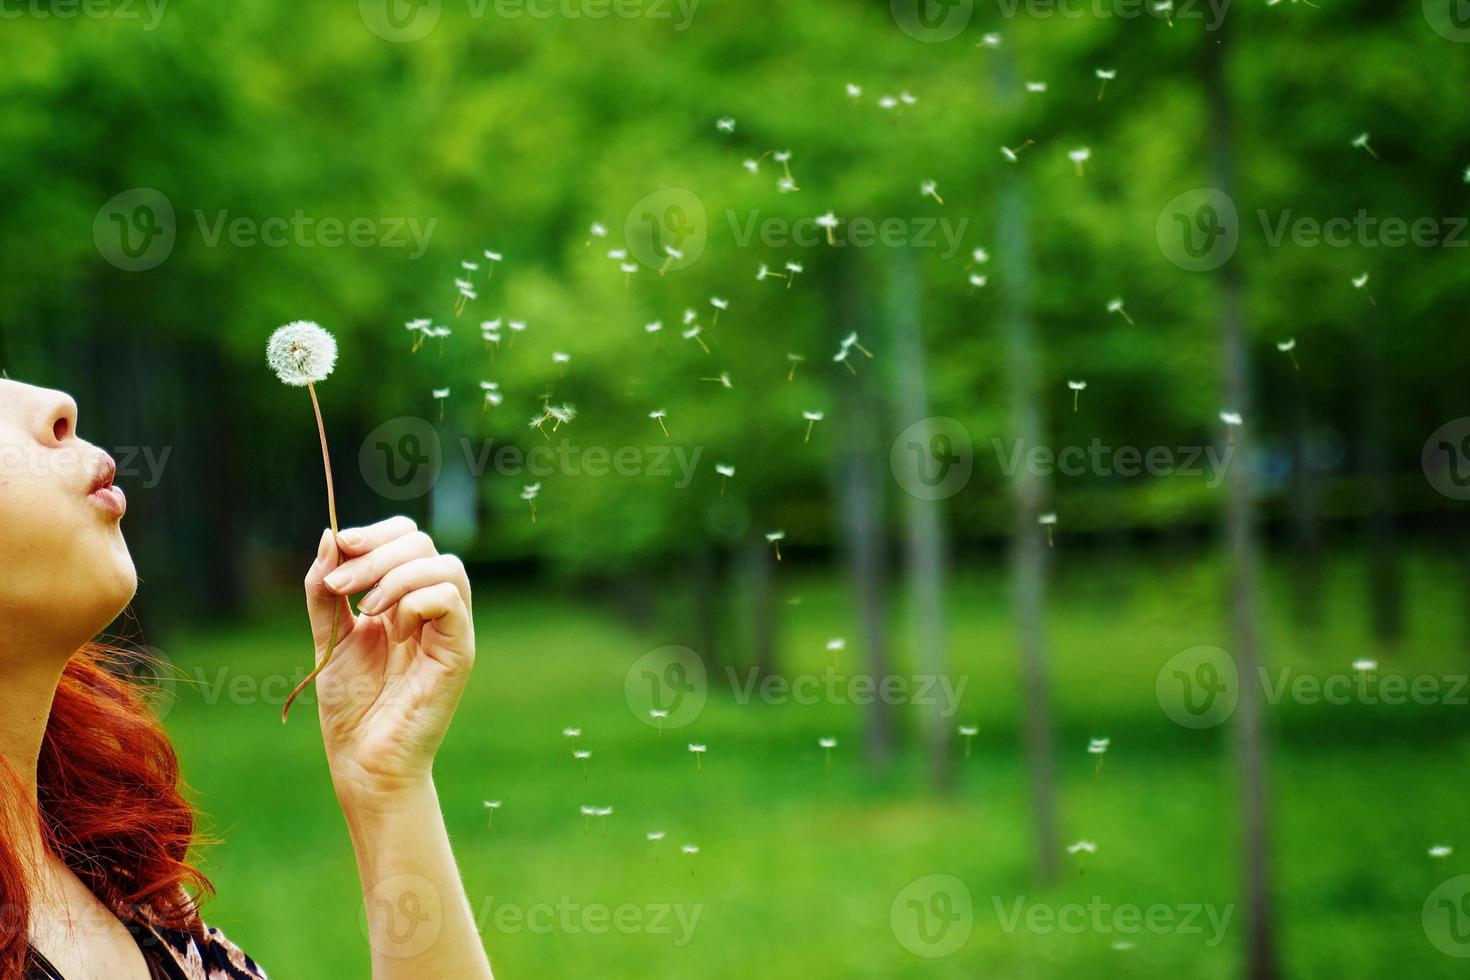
(55,413)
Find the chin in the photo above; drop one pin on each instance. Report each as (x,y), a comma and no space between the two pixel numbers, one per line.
(116,579)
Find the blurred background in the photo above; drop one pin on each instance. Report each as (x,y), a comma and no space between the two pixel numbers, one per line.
(1237,554)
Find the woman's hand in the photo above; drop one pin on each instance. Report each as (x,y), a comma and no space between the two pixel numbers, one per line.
(400,666)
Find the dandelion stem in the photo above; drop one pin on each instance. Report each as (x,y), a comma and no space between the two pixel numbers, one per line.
(321,430)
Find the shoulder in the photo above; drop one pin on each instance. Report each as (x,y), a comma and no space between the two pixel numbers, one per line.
(206,955)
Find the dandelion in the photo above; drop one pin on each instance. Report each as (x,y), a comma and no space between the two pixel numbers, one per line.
(698,751)
(689,317)
(969,732)
(673,255)
(829,221)
(775,538)
(692,852)
(720,305)
(569,732)
(1115,305)
(1365,666)
(658,416)
(979,257)
(783,157)
(795,359)
(1361,282)
(490,807)
(978,281)
(908,99)
(1082,847)
(854,91)
(1441,851)
(754,166)
(466,293)
(655,837)
(725,125)
(303,355)
(420,330)
(560,357)
(517,326)
(1014,156)
(1048,521)
(1107,75)
(529,493)
(618,254)
(582,755)
(693,334)
(828,744)
(812,418)
(588,812)
(796,269)
(441,395)
(1080,156)
(494,259)
(539,421)
(841,358)
(596,231)
(1036,88)
(989,41)
(727,473)
(723,380)
(1166,7)
(1078,387)
(1360,142)
(835,646)
(658,716)
(787,185)
(930,188)
(654,327)
(1233,421)
(1288,347)
(887,102)
(1099,747)
(764,273)
(493,397)
(851,340)
(602,813)
(628,268)
(470,266)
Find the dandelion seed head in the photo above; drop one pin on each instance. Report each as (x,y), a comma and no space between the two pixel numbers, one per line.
(560,357)
(1287,346)
(492,804)
(301,353)
(1232,419)
(582,754)
(753,166)
(978,281)
(725,125)
(1082,847)
(598,230)
(1080,155)
(775,536)
(1106,74)
(568,732)
(1099,746)
(697,749)
(725,470)
(655,836)
(827,743)
(654,327)
(1036,87)
(1441,851)
(1048,518)
(814,416)
(969,730)
(1077,385)
(854,91)
(837,643)
(689,849)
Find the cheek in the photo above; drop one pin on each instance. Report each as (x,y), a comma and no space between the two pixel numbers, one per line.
(61,560)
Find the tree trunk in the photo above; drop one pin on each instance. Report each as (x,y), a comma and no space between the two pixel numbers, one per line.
(1029,553)
(926,554)
(1260,953)
(758,601)
(1306,534)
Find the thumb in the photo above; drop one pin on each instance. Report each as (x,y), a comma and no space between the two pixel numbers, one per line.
(321,601)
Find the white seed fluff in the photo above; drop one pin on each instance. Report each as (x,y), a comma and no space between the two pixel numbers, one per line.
(301,353)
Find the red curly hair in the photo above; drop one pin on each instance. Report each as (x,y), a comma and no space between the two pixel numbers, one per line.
(110,807)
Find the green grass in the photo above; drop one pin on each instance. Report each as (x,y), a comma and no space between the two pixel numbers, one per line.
(799,865)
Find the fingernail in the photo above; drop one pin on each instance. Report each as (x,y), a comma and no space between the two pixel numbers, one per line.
(351,539)
(369,603)
(338,580)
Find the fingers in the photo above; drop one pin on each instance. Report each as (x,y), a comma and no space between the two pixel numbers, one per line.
(355,541)
(362,573)
(321,601)
(441,604)
(414,575)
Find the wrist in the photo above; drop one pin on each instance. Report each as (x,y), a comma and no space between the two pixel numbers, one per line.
(383,795)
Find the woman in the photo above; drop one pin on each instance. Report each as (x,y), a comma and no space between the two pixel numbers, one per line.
(94,834)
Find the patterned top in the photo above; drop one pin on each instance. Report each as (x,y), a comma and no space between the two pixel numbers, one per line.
(174,955)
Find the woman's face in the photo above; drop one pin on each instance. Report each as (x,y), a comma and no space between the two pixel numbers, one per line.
(65,571)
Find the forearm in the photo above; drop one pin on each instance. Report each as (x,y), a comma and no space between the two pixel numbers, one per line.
(419,920)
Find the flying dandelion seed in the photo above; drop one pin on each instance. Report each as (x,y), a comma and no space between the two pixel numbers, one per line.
(689,317)
(655,837)
(887,102)
(727,473)
(618,254)
(582,755)
(529,494)
(796,269)
(1080,156)
(720,305)
(568,732)
(787,186)
(775,538)
(596,231)
(764,273)
(969,732)
(829,221)
(560,414)
(723,380)
(979,257)
(466,293)
(828,744)
(490,807)
(516,326)
(1107,75)
(494,259)
(588,812)
(440,334)
(470,266)
(1048,521)
(1288,347)
(1166,7)
(841,358)
(1441,851)
(628,269)
(851,340)
(907,99)
(812,418)
(602,813)
(698,752)
(1115,305)
(693,333)
(783,157)
(493,397)
(795,359)
(930,188)
(989,41)
(1233,421)
(1014,156)
(725,125)
(560,357)
(303,355)
(1078,387)
(1365,666)
(854,91)
(754,166)
(658,416)
(673,255)
(420,331)
(653,327)
(1082,847)
(692,852)
(1360,142)
(1361,282)
(1036,88)
(658,716)
(1099,747)
(441,395)
(978,281)
(538,422)
(835,646)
